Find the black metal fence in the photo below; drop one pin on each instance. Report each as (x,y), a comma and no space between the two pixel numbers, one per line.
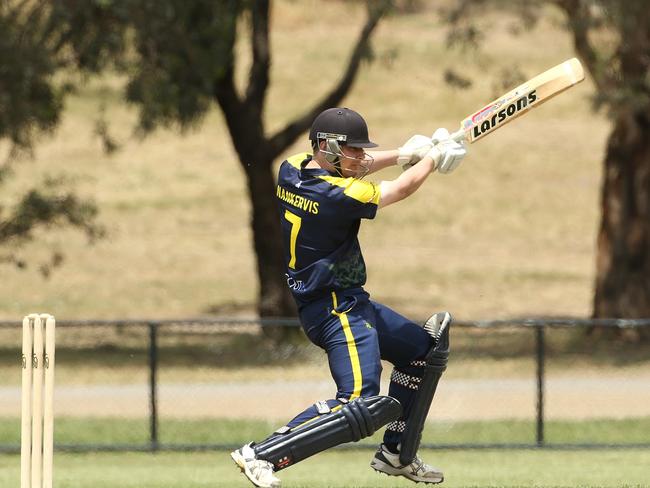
(538,328)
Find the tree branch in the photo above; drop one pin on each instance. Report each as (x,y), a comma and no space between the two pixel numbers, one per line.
(224,90)
(259,74)
(38,209)
(32,20)
(580,20)
(287,135)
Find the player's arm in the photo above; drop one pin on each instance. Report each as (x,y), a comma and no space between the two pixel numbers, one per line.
(445,156)
(406,156)
(383,159)
(407,183)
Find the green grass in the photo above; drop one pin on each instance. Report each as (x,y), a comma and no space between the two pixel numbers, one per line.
(343,468)
(349,469)
(106,431)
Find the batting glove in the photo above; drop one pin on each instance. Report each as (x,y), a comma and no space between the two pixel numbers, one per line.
(446,153)
(413,151)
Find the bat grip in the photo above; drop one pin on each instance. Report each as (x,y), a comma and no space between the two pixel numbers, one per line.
(458,136)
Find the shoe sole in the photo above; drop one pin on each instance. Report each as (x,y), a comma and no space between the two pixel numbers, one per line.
(387,469)
(241,464)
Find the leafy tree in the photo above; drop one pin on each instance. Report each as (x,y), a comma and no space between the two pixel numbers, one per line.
(182,61)
(30,104)
(612,38)
(621,72)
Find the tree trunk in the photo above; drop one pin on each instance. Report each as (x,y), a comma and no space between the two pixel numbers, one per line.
(274,297)
(623,254)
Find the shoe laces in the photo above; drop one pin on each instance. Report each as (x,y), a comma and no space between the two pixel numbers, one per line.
(420,467)
(260,467)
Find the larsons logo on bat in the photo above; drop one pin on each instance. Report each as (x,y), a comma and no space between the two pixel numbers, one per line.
(491,116)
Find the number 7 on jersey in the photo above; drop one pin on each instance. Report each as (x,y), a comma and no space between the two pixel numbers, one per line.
(296,222)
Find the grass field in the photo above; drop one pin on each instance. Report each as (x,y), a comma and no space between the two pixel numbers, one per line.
(511,233)
(135,432)
(347,468)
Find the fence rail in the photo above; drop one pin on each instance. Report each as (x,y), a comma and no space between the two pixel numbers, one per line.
(537,326)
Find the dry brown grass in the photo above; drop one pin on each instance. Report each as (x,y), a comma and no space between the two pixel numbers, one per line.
(511,233)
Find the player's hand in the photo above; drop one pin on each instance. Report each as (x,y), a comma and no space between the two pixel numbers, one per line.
(440,135)
(413,151)
(446,153)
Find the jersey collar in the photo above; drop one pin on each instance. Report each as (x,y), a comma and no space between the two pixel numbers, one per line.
(312,171)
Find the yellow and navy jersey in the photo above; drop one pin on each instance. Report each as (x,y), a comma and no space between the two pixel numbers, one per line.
(320,215)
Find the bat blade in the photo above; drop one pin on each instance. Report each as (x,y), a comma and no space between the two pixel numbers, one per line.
(517,102)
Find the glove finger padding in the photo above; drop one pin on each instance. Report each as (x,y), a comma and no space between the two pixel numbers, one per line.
(413,151)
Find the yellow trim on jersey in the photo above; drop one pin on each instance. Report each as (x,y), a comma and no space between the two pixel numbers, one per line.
(352,349)
(297,159)
(362,191)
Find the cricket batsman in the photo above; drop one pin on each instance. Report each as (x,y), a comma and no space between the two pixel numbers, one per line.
(322,198)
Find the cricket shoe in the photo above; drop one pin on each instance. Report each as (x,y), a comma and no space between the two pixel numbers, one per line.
(260,472)
(388,463)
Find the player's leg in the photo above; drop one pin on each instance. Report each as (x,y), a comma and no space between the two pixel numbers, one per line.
(409,347)
(348,422)
(352,346)
(352,349)
(353,355)
(405,344)
(437,326)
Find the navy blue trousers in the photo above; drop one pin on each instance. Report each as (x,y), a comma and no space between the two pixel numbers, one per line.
(356,333)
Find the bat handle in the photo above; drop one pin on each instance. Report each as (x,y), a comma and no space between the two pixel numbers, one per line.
(458,136)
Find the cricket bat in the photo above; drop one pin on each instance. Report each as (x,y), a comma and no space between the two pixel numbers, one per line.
(517,102)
